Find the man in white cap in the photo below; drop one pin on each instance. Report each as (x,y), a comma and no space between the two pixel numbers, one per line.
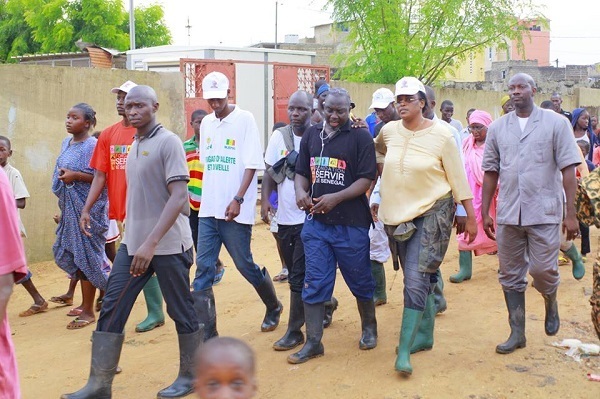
(231,153)
(109,160)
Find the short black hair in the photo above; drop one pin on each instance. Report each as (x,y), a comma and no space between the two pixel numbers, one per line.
(233,344)
(446,103)
(4,138)
(198,112)
(547,104)
(585,146)
(88,113)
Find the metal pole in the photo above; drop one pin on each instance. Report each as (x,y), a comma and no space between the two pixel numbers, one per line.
(276,25)
(131,26)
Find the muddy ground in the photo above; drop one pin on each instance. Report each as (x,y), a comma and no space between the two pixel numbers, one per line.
(462,364)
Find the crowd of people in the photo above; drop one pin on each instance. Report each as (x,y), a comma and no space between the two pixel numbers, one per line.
(339,193)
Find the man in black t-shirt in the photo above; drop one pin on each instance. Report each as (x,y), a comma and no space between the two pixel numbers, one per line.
(334,170)
(557,102)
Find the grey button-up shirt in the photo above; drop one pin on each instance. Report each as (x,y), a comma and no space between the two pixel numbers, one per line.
(529,164)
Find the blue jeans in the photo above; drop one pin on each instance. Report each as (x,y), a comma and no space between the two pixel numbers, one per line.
(212,233)
(327,245)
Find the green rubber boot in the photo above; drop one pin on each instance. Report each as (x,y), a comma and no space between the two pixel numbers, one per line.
(465,262)
(424,339)
(378,272)
(154,300)
(410,325)
(577,262)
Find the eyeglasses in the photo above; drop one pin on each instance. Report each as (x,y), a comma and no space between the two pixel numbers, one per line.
(406,99)
(476,128)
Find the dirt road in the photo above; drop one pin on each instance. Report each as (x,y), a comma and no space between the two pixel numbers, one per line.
(462,364)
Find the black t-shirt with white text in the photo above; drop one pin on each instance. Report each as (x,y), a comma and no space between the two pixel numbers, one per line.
(335,165)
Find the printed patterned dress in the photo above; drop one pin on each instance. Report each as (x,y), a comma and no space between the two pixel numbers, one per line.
(73,250)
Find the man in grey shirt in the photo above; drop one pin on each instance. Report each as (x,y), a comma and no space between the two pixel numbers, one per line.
(533,153)
(158,240)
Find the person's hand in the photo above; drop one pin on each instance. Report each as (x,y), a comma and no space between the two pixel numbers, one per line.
(232,210)
(84,223)
(56,218)
(142,258)
(488,227)
(570,227)
(374,212)
(358,123)
(303,201)
(266,211)
(325,203)
(460,223)
(67,176)
(470,231)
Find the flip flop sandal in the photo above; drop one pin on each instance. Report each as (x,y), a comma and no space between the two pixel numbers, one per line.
(74,312)
(61,301)
(281,277)
(77,324)
(34,309)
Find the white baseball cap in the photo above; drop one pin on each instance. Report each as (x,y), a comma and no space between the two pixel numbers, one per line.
(124,87)
(408,85)
(382,98)
(215,85)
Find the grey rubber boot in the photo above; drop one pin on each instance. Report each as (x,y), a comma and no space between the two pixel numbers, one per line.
(206,312)
(106,351)
(184,383)
(266,292)
(515,303)
(313,315)
(368,339)
(552,321)
(293,336)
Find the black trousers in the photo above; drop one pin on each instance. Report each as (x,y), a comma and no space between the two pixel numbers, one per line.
(194,226)
(173,272)
(585,238)
(293,254)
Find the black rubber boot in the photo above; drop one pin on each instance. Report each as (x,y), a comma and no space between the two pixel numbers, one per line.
(330,307)
(206,312)
(293,336)
(313,315)
(106,350)
(184,383)
(515,303)
(366,309)
(552,321)
(266,291)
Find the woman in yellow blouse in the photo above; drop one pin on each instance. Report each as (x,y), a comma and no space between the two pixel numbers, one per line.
(422,178)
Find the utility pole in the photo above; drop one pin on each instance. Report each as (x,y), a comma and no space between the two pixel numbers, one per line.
(189,28)
(131,26)
(276,5)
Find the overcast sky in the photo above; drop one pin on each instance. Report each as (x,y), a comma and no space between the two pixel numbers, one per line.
(575,24)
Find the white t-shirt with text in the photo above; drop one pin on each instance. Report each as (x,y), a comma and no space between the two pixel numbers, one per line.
(227,148)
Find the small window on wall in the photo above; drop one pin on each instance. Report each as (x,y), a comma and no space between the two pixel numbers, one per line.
(490,53)
(503,74)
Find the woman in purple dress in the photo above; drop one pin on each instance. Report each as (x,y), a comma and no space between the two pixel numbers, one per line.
(80,255)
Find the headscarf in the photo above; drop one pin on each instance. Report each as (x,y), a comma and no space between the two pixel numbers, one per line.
(474,156)
(479,116)
(323,89)
(503,101)
(590,132)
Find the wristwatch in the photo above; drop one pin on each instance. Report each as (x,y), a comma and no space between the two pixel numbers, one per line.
(240,200)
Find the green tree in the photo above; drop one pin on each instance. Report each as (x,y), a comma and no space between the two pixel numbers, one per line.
(389,39)
(49,26)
